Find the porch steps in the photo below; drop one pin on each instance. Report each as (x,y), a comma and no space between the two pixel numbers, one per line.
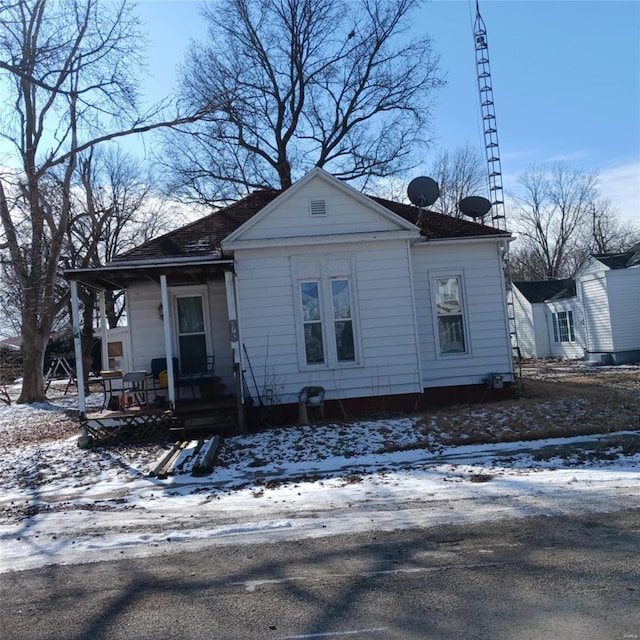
(216,418)
(188,456)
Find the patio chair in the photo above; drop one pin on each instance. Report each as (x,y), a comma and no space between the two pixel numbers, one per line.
(134,390)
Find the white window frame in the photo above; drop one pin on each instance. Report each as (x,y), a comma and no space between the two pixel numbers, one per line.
(570,327)
(190,292)
(459,276)
(328,322)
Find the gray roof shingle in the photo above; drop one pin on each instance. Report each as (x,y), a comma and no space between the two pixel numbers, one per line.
(547,290)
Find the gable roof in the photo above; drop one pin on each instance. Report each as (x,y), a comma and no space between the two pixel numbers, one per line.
(547,290)
(204,236)
(630,258)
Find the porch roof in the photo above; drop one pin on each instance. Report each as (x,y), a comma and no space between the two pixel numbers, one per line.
(117,276)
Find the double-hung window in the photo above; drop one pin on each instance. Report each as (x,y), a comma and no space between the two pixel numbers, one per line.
(449,310)
(563,329)
(328,324)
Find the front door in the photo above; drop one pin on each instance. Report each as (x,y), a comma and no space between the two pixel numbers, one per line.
(191,328)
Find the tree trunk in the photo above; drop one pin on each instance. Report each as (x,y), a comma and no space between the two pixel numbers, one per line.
(34,345)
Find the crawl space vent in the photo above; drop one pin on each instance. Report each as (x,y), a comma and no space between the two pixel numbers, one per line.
(318,207)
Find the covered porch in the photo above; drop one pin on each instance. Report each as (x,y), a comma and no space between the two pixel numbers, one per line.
(182,312)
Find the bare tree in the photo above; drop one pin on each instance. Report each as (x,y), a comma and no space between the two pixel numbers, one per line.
(459,173)
(549,216)
(295,84)
(66,71)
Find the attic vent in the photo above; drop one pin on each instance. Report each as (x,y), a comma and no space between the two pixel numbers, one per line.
(318,207)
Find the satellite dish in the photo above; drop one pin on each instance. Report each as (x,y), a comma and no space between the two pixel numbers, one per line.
(474,206)
(423,191)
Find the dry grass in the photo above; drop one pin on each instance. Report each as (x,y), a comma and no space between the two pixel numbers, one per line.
(555,399)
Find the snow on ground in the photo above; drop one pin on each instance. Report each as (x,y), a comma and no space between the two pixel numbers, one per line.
(61,505)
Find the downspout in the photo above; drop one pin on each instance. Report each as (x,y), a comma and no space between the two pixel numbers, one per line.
(77,347)
(168,346)
(416,328)
(234,336)
(502,247)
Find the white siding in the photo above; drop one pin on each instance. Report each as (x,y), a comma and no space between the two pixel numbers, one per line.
(487,325)
(595,305)
(268,307)
(292,218)
(541,323)
(623,289)
(570,350)
(523,311)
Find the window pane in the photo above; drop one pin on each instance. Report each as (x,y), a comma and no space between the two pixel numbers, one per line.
(190,315)
(313,343)
(344,341)
(451,333)
(193,353)
(447,295)
(572,334)
(310,301)
(563,326)
(341,302)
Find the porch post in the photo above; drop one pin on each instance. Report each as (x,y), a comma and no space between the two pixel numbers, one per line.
(77,347)
(103,330)
(168,348)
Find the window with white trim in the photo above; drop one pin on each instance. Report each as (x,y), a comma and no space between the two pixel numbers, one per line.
(449,310)
(328,323)
(563,329)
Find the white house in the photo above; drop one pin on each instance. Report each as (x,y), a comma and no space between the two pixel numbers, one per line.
(608,287)
(595,316)
(382,306)
(548,319)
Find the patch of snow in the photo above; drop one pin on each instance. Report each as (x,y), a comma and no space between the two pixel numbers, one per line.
(62,505)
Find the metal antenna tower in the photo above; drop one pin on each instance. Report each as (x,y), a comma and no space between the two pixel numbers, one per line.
(494,166)
(487,108)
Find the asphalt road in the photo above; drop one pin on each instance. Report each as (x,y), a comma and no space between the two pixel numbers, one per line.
(539,578)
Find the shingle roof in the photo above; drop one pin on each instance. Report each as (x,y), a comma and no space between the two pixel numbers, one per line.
(623,260)
(204,236)
(547,290)
(438,225)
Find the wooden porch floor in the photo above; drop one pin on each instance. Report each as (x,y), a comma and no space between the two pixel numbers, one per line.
(200,417)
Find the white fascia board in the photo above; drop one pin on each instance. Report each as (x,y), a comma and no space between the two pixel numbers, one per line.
(329,179)
(425,242)
(302,241)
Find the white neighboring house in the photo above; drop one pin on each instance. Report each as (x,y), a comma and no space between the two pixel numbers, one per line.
(322,285)
(608,287)
(596,316)
(548,319)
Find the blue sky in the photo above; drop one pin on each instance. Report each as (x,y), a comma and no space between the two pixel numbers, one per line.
(566,80)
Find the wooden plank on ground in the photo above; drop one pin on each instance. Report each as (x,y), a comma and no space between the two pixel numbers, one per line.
(203,463)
